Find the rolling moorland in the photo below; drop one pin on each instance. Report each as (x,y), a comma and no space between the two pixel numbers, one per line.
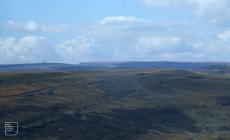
(117,101)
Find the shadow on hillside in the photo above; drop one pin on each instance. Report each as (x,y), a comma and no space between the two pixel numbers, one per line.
(116,125)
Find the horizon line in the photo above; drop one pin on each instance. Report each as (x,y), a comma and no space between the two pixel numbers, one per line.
(128,61)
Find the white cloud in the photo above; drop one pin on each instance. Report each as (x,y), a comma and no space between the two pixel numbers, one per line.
(173,48)
(74,50)
(162,48)
(120,38)
(214,11)
(32,27)
(212,49)
(209,11)
(225,36)
(169,3)
(28,49)
(29,26)
(149,41)
(158,44)
(120,20)
(35,49)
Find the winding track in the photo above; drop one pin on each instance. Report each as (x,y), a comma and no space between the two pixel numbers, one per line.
(33,92)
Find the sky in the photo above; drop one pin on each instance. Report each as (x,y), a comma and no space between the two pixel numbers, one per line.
(74,31)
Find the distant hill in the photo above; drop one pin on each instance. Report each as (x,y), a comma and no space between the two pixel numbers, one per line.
(34,67)
(217,67)
(220,67)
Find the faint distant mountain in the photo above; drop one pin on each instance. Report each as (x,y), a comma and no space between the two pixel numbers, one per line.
(35,67)
(197,66)
(217,67)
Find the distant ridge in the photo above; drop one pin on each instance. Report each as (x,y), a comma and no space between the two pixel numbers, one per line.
(33,67)
(221,67)
(194,66)
(150,64)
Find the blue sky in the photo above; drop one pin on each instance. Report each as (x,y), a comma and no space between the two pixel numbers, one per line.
(72,11)
(73,31)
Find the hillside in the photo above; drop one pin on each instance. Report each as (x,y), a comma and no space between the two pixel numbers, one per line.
(117,104)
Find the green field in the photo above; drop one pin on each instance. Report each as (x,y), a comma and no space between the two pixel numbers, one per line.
(116,104)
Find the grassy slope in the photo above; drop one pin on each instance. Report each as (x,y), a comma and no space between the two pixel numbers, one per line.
(117,104)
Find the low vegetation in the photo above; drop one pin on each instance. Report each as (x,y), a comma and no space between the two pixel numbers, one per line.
(117,104)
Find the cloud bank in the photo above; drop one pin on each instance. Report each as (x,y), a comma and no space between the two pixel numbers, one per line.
(204,37)
(209,11)
(28,49)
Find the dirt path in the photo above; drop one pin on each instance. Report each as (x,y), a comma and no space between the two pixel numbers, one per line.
(46,90)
